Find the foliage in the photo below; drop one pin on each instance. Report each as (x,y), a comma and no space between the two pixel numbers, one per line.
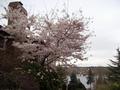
(90,76)
(115,86)
(42,78)
(102,87)
(40,43)
(8,81)
(108,86)
(114,70)
(114,73)
(50,38)
(75,83)
(80,86)
(113,76)
(73,78)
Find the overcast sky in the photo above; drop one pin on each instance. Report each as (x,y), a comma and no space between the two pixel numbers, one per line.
(105,15)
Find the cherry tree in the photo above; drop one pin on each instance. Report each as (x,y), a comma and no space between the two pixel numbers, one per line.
(49,39)
(41,42)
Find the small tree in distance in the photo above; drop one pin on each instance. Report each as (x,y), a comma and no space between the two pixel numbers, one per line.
(90,78)
(75,84)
